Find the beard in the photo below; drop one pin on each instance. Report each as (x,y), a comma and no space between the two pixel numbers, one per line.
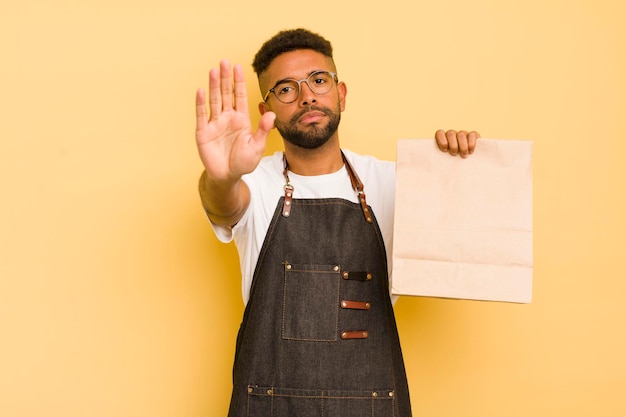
(316,135)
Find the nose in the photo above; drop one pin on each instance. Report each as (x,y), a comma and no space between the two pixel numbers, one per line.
(307,96)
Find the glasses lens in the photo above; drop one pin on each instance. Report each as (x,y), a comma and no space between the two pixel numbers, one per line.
(320,82)
(287,91)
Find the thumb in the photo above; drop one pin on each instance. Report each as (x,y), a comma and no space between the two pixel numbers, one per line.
(259,139)
(266,123)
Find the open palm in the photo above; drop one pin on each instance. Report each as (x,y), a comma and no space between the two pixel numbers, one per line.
(226,143)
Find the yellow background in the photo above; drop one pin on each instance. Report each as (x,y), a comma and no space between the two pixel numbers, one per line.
(117,300)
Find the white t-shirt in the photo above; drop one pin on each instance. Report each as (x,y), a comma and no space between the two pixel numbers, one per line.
(266,187)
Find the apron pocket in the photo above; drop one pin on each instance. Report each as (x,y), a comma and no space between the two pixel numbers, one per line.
(311,302)
(288,402)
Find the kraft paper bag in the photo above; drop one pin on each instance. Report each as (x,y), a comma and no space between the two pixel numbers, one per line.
(463,227)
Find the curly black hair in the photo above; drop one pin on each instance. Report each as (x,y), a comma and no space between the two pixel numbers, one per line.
(286,41)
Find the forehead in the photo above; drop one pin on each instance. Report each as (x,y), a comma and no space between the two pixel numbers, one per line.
(295,64)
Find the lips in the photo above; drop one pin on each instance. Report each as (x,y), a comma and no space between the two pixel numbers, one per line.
(313,116)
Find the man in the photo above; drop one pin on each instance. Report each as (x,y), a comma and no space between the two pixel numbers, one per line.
(313,227)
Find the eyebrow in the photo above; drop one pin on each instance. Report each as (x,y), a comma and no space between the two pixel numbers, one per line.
(295,79)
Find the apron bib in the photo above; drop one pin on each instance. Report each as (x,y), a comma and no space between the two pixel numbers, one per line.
(318,337)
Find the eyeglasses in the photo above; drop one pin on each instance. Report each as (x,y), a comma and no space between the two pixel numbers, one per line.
(288,91)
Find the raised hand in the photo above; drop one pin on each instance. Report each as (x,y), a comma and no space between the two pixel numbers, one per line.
(227,146)
(226,143)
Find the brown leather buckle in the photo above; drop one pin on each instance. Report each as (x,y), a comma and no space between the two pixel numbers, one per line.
(356,334)
(355,305)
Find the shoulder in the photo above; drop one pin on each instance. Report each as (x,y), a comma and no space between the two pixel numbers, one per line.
(369,166)
(266,186)
(379,182)
(369,160)
(378,178)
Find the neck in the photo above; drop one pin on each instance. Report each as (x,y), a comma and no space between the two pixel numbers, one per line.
(323,160)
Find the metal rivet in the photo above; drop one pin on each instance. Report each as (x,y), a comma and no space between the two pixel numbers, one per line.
(391,393)
(374,394)
(287,203)
(250,390)
(345,275)
(286,213)
(270,392)
(344,335)
(288,194)
(367,305)
(364,334)
(369,276)
(288,266)
(343,304)
(336,268)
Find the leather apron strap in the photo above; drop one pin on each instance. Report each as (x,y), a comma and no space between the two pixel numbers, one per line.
(357,185)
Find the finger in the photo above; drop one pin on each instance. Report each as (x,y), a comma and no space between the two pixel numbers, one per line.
(472,138)
(442,142)
(226,83)
(201,118)
(453,145)
(215,97)
(241,95)
(461,139)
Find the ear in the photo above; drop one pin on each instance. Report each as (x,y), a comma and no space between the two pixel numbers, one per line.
(342,89)
(263,108)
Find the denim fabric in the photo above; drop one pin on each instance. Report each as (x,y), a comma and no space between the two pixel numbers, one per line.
(291,359)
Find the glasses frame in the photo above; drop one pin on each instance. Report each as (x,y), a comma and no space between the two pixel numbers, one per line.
(299,82)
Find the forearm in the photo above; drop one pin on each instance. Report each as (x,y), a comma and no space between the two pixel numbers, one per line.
(224,203)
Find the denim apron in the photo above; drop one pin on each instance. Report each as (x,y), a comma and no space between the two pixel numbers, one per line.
(319,337)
